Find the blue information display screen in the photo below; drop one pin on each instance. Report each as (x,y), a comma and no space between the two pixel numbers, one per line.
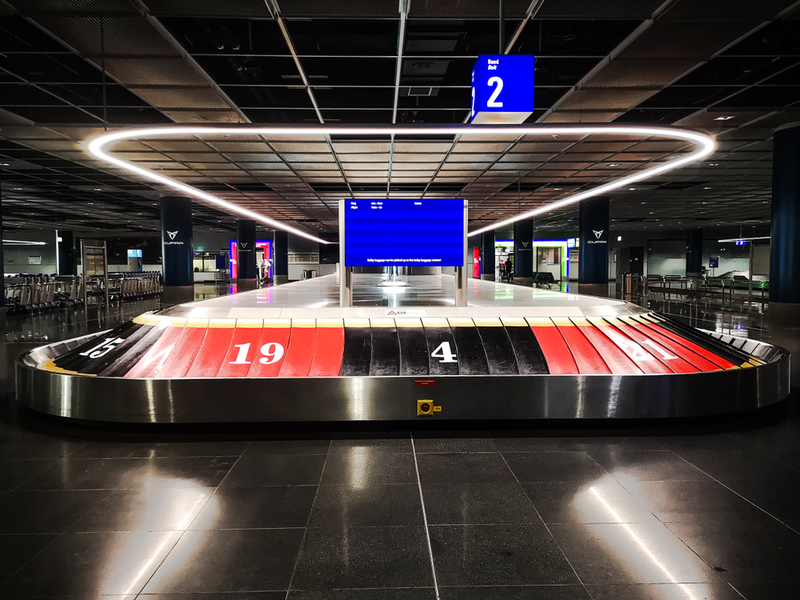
(404,233)
(134,253)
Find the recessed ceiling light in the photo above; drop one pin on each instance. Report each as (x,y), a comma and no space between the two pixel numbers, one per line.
(707,188)
(5,165)
(613,164)
(713,164)
(557,189)
(17,189)
(724,118)
(631,189)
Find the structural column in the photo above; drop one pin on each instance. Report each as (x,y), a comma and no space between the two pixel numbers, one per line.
(65,242)
(176,249)
(2,274)
(694,254)
(593,226)
(280,262)
(247,276)
(784,266)
(523,252)
(487,255)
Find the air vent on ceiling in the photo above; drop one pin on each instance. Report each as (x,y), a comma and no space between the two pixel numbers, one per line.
(420,91)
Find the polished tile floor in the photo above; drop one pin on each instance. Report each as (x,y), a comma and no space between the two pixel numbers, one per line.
(690,510)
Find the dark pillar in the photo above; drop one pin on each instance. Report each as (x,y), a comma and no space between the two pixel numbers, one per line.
(593,224)
(487,255)
(176,249)
(246,255)
(328,254)
(694,253)
(2,278)
(66,253)
(523,252)
(280,261)
(784,264)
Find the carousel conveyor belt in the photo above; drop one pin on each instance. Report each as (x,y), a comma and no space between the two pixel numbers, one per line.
(536,355)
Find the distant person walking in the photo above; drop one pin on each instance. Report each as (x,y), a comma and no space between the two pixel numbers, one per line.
(509,270)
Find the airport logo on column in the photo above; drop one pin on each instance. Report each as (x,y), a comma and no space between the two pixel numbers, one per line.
(172,235)
(597,236)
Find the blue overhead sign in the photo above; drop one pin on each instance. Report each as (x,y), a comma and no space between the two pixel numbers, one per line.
(406,233)
(502,88)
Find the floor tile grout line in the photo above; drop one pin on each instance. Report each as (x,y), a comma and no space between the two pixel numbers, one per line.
(766,512)
(547,528)
(685,543)
(425,518)
(16,488)
(183,533)
(46,546)
(58,536)
(665,524)
(308,520)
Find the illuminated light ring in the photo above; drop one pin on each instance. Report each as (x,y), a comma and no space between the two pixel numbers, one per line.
(97,147)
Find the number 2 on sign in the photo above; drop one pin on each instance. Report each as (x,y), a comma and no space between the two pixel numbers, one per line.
(444,353)
(493,102)
(272,352)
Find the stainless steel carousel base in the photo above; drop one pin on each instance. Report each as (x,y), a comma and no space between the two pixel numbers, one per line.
(397,398)
(280,355)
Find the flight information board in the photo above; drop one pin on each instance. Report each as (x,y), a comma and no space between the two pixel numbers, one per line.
(404,233)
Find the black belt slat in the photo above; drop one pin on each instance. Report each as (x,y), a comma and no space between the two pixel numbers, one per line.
(385,356)
(471,355)
(99,364)
(357,351)
(703,340)
(499,353)
(434,337)
(125,363)
(73,361)
(530,358)
(413,351)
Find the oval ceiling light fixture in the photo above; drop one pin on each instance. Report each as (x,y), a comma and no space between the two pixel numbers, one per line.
(99,147)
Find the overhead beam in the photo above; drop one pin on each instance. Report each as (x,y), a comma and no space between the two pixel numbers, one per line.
(401,36)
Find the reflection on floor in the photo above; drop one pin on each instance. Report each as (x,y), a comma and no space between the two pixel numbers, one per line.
(680,510)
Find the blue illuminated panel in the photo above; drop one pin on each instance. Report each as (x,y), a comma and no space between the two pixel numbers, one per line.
(502,85)
(404,233)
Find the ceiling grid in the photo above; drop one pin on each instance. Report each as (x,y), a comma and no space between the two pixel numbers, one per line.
(733,72)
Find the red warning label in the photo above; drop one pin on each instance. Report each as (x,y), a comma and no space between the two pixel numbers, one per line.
(425,382)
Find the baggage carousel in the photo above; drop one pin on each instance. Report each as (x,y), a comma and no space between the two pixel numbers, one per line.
(290,353)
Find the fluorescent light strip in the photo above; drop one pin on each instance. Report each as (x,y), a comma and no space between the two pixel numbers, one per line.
(98,147)
(744,239)
(22,243)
